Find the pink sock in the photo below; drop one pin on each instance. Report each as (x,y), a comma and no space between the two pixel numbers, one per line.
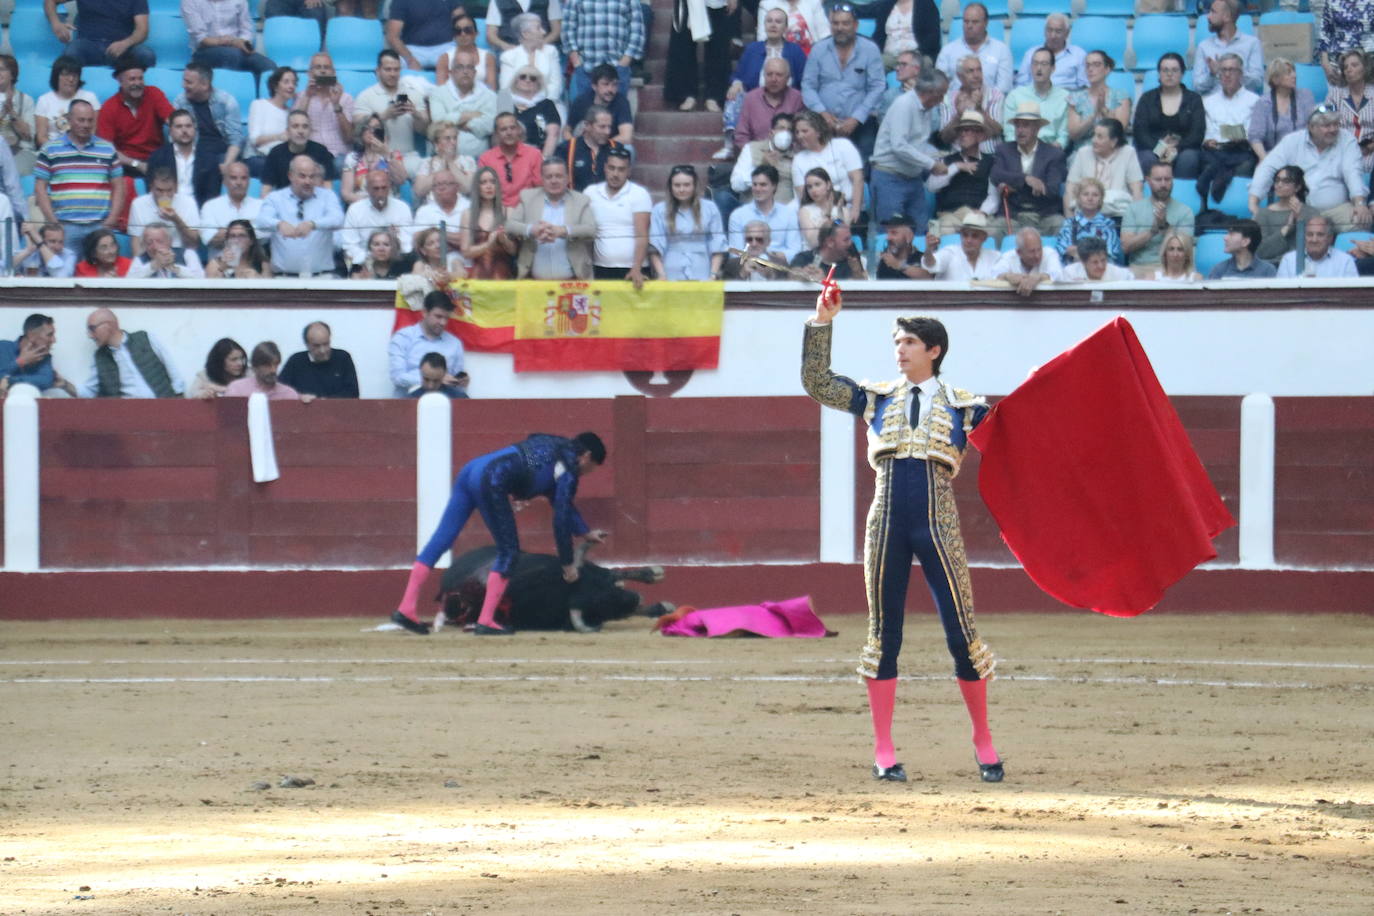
(419,572)
(496,587)
(976,699)
(882,697)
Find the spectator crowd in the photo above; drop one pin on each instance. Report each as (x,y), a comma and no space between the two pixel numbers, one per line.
(498,141)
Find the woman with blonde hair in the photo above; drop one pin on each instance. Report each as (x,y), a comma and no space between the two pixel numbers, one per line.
(483,227)
(444,157)
(1176,259)
(1282,109)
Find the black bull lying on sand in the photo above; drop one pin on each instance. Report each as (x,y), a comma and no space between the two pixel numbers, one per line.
(537,598)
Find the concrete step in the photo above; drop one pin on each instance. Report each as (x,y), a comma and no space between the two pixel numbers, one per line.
(693,149)
(659,123)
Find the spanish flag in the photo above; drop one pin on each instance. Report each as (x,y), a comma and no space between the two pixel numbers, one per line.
(608,325)
(483,317)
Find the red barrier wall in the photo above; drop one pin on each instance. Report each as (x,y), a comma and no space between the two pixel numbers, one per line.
(1324,481)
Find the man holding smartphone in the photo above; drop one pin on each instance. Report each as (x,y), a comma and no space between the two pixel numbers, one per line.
(400,102)
(329,107)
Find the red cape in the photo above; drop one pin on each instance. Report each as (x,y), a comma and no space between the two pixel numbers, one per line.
(1091,478)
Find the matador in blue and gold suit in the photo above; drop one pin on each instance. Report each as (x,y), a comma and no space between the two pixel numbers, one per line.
(916,434)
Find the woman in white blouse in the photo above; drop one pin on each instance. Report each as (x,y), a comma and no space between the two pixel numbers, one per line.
(806,21)
(1176,260)
(1111,161)
(818,148)
(532,51)
(267,117)
(465,36)
(50,111)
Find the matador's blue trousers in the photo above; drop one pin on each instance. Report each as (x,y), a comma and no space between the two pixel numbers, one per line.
(914,515)
(483,484)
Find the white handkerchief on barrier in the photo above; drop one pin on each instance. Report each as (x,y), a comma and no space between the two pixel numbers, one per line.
(260,444)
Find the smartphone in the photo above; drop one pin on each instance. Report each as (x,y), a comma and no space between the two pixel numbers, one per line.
(379,133)
(326,81)
(402,99)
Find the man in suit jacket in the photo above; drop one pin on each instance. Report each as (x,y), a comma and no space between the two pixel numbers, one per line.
(1029,174)
(556,228)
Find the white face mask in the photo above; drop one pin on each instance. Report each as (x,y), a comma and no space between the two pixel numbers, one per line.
(782,140)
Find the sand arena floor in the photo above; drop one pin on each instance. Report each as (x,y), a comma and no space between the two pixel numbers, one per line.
(1170,764)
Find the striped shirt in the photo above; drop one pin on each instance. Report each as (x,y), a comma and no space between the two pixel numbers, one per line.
(79,178)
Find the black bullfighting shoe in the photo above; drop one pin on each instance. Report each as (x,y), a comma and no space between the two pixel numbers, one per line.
(894,773)
(482,629)
(990,772)
(418,627)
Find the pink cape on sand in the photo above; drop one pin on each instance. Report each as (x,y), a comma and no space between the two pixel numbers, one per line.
(774,619)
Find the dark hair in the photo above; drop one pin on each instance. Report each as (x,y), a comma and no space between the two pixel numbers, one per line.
(438,299)
(604,72)
(162,173)
(1171,55)
(385,53)
(591,444)
(767,171)
(274,80)
(931,333)
(265,354)
(1033,53)
(1106,58)
(781,116)
(64,64)
(10,64)
(36,321)
(214,362)
(1252,232)
(1089,245)
(434,360)
(1114,129)
(306,330)
(206,73)
(1299,181)
(181,113)
(254,253)
(836,198)
(89,243)
(1159,164)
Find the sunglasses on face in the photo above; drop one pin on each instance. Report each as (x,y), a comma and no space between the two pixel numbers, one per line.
(754,238)
(464,30)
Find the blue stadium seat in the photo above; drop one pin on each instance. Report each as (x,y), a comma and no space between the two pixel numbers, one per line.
(1043,7)
(26,184)
(169,81)
(482,34)
(866,27)
(355,81)
(1346,239)
(167,38)
(997,9)
(956,30)
(1185,192)
(164,8)
(1008,242)
(1123,8)
(101,81)
(1100,33)
(1245,24)
(353,42)
(34,73)
(290,41)
(30,34)
(892,79)
(1155,35)
(241,84)
(1122,81)
(1026,32)
(1287,17)
(255,187)
(1208,251)
(1236,201)
(126,245)
(1311,76)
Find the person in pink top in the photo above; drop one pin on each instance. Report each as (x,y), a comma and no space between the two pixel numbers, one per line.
(265,361)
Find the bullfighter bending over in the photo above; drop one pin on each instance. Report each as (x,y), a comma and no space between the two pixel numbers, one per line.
(918,428)
(542,465)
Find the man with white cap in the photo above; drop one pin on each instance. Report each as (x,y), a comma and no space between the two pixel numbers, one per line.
(1028,173)
(969,260)
(964,187)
